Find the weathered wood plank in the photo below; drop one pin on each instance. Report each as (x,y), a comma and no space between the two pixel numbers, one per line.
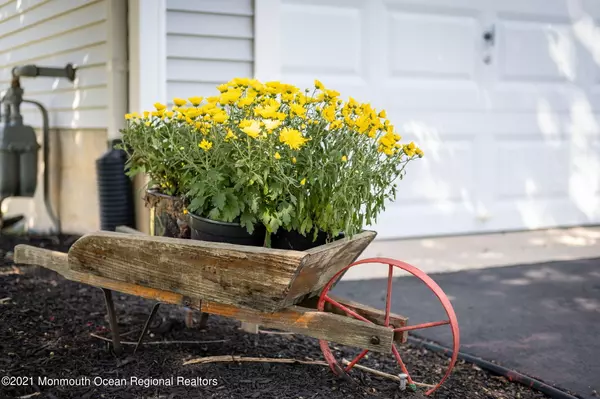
(250,277)
(322,325)
(324,262)
(377,316)
(58,261)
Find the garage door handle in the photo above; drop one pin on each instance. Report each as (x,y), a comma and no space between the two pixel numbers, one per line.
(489,36)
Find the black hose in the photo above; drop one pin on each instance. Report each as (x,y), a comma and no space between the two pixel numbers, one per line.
(511,375)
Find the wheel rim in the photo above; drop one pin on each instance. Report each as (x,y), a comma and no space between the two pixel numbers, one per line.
(428,281)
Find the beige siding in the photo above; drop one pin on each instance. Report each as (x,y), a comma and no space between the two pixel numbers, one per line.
(208,43)
(54,33)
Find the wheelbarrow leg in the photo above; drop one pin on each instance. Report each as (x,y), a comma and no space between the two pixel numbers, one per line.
(146,326)
(203,321)
(112,319)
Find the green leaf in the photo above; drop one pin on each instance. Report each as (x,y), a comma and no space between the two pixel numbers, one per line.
(247,221)
(218,200)
(197,203)
(214,214)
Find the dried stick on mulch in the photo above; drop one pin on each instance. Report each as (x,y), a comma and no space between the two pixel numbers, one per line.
(275,332)
(232,358)
(384,375)
(161,342)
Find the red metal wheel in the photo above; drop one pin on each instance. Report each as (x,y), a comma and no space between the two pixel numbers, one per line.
(441,296)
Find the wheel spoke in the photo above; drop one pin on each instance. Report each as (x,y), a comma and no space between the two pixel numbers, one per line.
(356,359)
(401,363)
(388,298)
(346,309)
(423,325)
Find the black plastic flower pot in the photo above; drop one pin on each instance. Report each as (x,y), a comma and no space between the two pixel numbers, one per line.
(167,217)
(232,233)
(293,240)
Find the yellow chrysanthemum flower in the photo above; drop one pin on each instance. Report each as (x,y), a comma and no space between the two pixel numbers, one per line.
(344,159)
(329,113)
(220,117)
(179,101)
(298,110)
(335,125)
(244,102)
(277,156)
(230,96)
(230,136)
(128,116)
(159,106)
(292,138)
(319,85)
(271,124)
(382,114)
(251,128)
(205,145)
(196,100)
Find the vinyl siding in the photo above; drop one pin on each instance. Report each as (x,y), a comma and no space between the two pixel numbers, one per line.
(208,42)
(54,33)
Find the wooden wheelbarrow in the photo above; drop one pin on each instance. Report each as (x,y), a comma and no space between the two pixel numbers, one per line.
(281,289)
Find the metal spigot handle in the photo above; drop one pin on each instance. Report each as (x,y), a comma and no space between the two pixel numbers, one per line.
(33,71)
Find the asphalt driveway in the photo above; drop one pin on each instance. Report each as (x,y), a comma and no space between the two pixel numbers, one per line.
(542,319)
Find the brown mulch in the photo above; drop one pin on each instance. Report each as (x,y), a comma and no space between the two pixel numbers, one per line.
(46,322)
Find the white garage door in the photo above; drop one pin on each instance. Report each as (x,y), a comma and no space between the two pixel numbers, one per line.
(503,97)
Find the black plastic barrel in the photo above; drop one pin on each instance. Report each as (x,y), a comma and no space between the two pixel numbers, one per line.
(115,191)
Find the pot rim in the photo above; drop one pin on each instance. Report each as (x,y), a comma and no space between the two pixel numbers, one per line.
(231,224)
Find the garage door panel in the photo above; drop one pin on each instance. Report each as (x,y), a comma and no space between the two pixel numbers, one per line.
(517,177)
(432,51)
(308,45)
(536,52)
(445,49)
